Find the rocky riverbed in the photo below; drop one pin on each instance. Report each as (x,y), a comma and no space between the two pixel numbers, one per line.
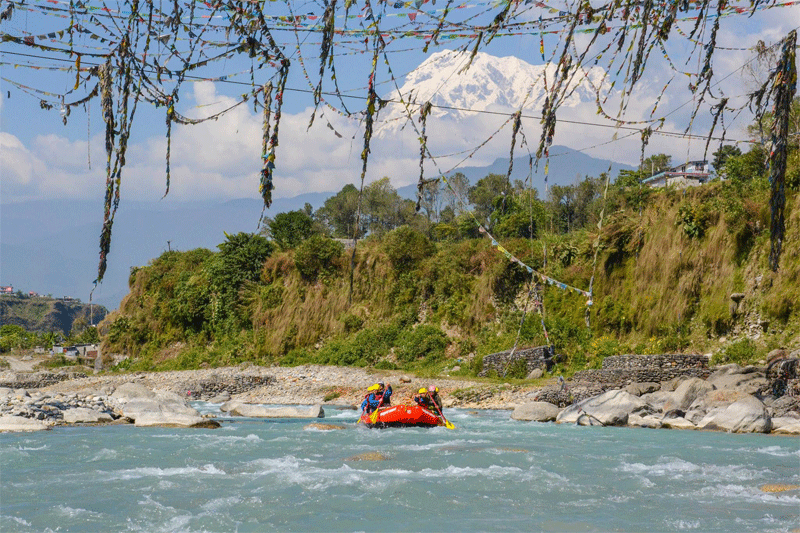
(729,399)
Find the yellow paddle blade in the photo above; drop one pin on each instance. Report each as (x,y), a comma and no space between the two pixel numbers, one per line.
(373,417)
(449,424)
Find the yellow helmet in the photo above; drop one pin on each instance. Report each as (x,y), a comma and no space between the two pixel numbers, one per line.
(373,387)
(423,390)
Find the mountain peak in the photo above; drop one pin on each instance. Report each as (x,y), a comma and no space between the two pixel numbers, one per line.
(490,84)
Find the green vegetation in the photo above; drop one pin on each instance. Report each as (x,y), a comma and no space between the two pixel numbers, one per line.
(43,314)
(426,290)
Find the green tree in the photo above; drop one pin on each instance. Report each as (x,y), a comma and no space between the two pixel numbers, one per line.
(338,213)
(381,211)
(240,259)
(457,192)
(655,164)
(561,204)
(747,166)
(483,194)
(722,155)
(290,229)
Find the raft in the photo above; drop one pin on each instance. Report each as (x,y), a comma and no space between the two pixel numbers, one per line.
(401,416)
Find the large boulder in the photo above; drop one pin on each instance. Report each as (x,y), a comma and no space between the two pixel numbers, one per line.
(747,380)
(536,412)
(644,421)
(677,422)
(686,393)
(637,389)
(747,415)
(656,399)
(165,409)
(786,425)
(132,391)
(9,423)
(610,408)
(260,411)
(83,415)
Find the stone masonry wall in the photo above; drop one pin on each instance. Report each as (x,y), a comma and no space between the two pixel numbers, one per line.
(621,370)
(208,388)
(539,357)
(35,380)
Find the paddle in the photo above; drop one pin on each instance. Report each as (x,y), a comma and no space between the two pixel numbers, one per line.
(374,416)
(447,423)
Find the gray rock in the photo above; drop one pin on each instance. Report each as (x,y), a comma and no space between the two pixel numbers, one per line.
(637,389)
(11,423)
(644,421)
(677,423)
(131,391)
(536,373)
(260,411)
(6,392)
(536,411)
(166,409)
(585,419)
(786,425)
(686,393)
(607,408)
(747,415)
(81,415)
(748,380)
(221,398)
(656,399)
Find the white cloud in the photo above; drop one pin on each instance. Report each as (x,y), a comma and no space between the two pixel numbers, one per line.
(222,158)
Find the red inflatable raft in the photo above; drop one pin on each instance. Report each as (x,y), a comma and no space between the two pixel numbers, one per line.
(401,416)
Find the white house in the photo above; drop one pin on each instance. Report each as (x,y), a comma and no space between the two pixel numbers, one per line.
(689,174)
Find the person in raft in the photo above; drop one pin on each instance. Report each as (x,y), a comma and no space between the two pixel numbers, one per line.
(429,399)
(377,395)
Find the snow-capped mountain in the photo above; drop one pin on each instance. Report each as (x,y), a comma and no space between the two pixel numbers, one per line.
(490,84)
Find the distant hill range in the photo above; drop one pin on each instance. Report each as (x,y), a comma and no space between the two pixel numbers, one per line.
(43,315)
(51,247)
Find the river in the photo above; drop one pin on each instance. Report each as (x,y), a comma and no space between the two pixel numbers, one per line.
(489,474)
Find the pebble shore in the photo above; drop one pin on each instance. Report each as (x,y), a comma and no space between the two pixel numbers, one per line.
(302,385)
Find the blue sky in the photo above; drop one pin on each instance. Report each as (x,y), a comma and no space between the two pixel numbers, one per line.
(43,158)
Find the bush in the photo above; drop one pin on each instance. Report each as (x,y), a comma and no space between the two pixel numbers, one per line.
(318,256)
(741,352)
(424,341)
(352,322)
(406,248)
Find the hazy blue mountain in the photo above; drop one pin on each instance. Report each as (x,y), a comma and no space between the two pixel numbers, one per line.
(567,167)
(51,247)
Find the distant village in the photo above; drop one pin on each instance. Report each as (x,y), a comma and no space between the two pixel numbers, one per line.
(8,290)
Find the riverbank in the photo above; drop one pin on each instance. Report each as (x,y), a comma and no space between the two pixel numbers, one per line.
(730,398)
(302,385)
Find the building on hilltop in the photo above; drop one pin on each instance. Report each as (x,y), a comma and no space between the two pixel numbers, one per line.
(689,174)
(6,289)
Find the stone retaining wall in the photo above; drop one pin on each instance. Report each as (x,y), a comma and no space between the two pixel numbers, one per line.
(208,388)
(619,378)
(540,357)
(621,370)
(36,380)
(631,362)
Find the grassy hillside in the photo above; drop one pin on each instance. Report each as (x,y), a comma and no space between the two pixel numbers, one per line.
(663,280)
(45,315)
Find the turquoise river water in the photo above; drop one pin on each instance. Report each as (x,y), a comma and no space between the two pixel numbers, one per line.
(489,474)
